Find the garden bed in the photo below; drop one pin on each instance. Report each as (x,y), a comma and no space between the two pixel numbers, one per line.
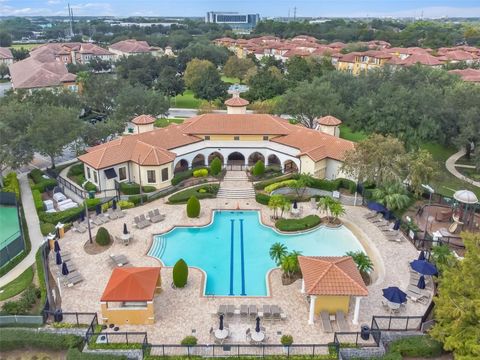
(293,225)
(201,192)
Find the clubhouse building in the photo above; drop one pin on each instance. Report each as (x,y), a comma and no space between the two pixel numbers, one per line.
(151,156)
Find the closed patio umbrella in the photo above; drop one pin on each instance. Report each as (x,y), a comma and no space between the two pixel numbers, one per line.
(56,246)
(98,209)
(114,204)
(394,295)
(421,282)
(65,269)
(422,255)
(396,226)
(257,326)
(82,216)
(58,258)
(221,322)
(423,267)
(295,205)
(125,230)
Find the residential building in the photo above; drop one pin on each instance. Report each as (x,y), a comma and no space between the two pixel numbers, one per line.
(152,157)
(237,21)
(133,47)
(357,62)
(470,75)
(6,56)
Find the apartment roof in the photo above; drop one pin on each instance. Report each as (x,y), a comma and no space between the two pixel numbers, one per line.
(237,101)
(131,46)
(143,120)
(471,75)
(459,55)
(329,120)
(131,284)
(331,275)
(5,53)
(423,59)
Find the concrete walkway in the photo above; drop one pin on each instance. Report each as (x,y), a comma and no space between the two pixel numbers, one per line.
(33,224)
(450,165)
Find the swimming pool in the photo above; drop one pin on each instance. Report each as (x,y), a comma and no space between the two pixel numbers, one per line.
(234,250)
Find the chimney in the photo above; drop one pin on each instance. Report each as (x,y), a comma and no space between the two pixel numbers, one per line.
(236,105)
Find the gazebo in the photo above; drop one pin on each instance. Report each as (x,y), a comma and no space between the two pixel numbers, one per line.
(331,281)
(129,295)
(469,201)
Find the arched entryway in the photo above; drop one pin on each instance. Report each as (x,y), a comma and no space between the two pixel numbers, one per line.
(254,157)
(214,155)
(182,165)
(236,158)
(198,161)
(273,160)
(289,166)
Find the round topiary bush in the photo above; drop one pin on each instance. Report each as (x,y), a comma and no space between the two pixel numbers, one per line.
(180,274)
(189,341)
(215,166)
(259,168)
(103,237)
(286,340)
(193,207)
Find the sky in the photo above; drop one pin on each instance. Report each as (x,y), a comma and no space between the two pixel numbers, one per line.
(266,8)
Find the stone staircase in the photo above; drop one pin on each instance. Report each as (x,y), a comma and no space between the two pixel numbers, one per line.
(235,185)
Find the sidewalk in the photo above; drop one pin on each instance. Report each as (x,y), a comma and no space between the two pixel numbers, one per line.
(33,224)
(450,165)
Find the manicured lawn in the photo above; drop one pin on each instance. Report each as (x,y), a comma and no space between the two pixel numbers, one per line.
(187,100)
(347,134)
(445,183)
(25,46)
(230,80)
(16,286)
(164,122)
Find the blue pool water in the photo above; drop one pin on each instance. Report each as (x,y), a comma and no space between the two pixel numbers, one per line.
(234,250)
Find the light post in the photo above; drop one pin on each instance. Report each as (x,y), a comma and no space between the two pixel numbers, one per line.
(88,220)
(140,180)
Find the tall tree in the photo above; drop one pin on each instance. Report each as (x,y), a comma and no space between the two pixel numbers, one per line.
(238,68)
(136,100)
(204,80)
(265,83)
(169,82)
(308,101)
(457,315)
(419,170)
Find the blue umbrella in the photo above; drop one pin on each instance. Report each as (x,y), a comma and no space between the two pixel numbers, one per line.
(422,255)
(396,226)
(56,246)
(423,267)
(98,209)
(114,204)
(394,295)
(421,282)
(221,322)
(58,258)
(257,326)
(372,205)
(65,269)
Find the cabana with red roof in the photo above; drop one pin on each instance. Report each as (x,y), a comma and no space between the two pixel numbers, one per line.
(129,296)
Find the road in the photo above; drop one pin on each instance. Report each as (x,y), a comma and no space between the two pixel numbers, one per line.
(4,86)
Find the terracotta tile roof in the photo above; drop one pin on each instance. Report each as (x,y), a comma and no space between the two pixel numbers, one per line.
(5,53)
(350,57)
(296,52)
(471,75)
(329,120)
(424,59)
(459,55)
(315,144)
(236,101)
(330,275)
(337,44)
(131,284)
(131,46)
(31,73)
(236,124)
(143,120)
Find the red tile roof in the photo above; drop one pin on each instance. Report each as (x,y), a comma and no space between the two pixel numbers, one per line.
(143,120)
(131,284)
(471,75)
(329,120)
(236,101)
(330,275)
(131,46)
(31,73)
(5,53)
(423,59)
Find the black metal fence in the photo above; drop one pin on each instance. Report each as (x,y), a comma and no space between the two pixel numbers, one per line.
(396,323)
(80,319)
(370,338)
(14,245)
(228,350)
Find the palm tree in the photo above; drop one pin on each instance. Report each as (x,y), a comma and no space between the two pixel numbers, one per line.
(285,206)
(336,209)
(276,202)
(363,262)
(324,204)
(393,196)
(277,252)
(290,263)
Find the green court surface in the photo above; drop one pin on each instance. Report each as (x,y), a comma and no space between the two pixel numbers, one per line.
(10,228)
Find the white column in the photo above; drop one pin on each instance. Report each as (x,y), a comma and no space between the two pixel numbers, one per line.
(311,315)
(357,310)
(303,287)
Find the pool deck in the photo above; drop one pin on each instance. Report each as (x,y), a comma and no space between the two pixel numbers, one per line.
(182,312)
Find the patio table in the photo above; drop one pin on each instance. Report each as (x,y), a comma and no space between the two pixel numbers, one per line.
(221,334)
(126,238)
(258,336)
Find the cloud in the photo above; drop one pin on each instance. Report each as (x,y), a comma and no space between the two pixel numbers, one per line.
(53,2)
(428,12)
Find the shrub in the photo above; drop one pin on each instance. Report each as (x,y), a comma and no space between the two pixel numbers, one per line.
(37,199)
(92,203)
(259,168)
(61,216)
(286,340)
(179,177)
(148,189)
(47,228)
(416,346)
(41,276)
(76,170)
(75,354)
(216,166)
(129,188)
(262,198)
(189,341)
(103,237)
(180,273)
(24,303)
(137,199)
(193,207)
(200,173)
(36,175)
(90,186)
(13,339)
(184,195)
(41,183)
(278,185)
(263,184)
(124,204)
(307,222)
(11,184)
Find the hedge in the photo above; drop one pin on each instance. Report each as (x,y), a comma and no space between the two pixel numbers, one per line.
(75,354)
(307,222)
(416,346)
(13,339)
(137,199)
(61,216)
(180,273)
(23,305)
(200,173)
(42,184)
(183,196)
(41,276)
(262,198)
(46,228)
(37,200)
(280,184)
(184,175)
(263,184)
(92,203)
(124,204)
(333,185)
(134,188)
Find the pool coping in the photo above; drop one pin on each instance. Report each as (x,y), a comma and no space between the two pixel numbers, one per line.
(361,237)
